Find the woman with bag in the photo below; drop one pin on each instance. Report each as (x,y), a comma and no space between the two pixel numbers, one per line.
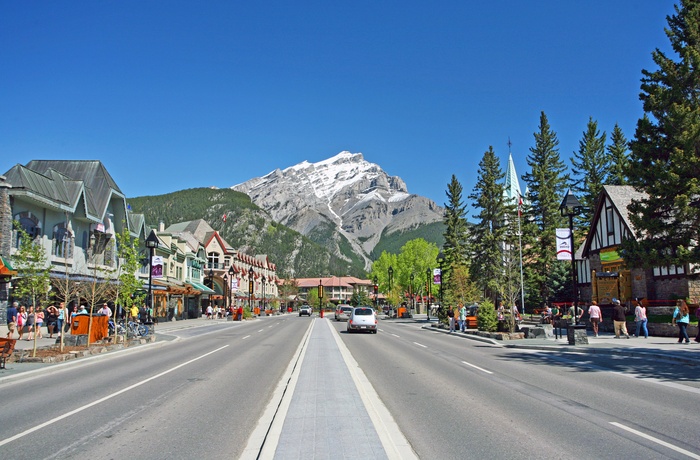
(681,317)
(21,321)
(640,319)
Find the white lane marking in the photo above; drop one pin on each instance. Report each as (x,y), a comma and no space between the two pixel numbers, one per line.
(245,337)
(656,440)
(261,330)
(420,345)
(270,325)
(396,335)
(477,367)
(101,400)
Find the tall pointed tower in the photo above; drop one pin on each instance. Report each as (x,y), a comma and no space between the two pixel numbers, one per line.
(511,191)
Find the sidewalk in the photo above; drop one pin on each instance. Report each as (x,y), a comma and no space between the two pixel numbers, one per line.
(653,347)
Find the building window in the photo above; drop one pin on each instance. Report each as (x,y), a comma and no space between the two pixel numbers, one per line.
(213,258)
(62,241)
(29,224)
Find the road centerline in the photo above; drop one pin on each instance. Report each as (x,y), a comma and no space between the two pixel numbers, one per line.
(477,367)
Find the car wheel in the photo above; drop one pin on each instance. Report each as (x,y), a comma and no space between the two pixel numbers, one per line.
(374,331)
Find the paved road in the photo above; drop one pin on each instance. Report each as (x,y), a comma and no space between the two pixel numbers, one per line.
(216,390)
(456,398)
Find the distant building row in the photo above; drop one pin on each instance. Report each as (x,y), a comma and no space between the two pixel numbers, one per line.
(74,209)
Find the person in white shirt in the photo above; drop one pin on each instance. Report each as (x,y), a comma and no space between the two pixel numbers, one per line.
(105,310)
(596,316)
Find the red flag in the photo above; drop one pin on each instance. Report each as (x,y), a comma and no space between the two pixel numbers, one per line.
(520,205)
(224,217)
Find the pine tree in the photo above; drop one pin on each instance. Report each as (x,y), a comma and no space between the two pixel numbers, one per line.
(456,238)
(487,234)
(665,153)
(590,167)
(617,157)
(546,183)
(456,222)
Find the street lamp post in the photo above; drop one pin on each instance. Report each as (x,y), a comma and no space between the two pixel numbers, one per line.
(263,293)
(441,262)
(151,244)
(375,287)
(230,278)
(250,289)
(428,281)
(410,290)
(320,297)
(225,277)
(391,282)
(570,207)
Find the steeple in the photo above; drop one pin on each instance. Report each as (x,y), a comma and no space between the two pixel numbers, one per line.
(511,191)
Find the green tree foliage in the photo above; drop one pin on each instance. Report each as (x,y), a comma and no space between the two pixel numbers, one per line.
(590,168)
(618,156)
(488,233)
(30,261)
(380,270)
(546,183)
(360,297)
(665,153)
(129,262)
(455,247)
(486,317)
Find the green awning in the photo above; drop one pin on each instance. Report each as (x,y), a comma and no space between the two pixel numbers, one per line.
(200,287)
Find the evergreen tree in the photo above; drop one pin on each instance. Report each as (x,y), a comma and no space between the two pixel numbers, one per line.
(456,222)
(487,234)
(617,157)
(590,167)
(665,153)
(546,185)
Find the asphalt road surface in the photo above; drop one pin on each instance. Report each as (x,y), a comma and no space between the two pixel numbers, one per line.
(202,395)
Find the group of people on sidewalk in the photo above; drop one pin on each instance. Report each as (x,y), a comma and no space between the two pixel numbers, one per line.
(681,318)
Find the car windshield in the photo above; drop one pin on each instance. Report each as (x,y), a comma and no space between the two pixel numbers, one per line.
(346,308)
(363,311)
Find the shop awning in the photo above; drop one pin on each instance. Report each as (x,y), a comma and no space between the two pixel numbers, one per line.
(200,287)
(5,268)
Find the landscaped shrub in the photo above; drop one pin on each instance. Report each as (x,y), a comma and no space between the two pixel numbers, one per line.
(486,318)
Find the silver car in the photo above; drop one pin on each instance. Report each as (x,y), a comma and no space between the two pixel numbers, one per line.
(362,319)
(342,313)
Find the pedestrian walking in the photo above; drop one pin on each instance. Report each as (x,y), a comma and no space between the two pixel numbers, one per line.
(596,317)
(62,318)
(619,319)
(31,319)
(681,317)
(39,320)
(575,312)
(463,318)
(12,313)
(21,321)
(640,319)
(451,318)
(51,319)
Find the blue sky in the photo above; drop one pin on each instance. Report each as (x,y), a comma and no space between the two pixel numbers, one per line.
(173,95)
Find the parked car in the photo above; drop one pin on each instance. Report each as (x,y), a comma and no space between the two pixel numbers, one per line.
(342,313)
(362,319)
(305,310)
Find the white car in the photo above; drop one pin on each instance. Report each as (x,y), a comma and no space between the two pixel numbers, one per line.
(363,319)
(305,310)
(342,313)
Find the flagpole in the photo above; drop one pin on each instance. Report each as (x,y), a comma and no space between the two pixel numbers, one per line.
(520,241)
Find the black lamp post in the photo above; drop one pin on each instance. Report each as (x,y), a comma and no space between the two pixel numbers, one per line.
(391,281)
(320,298)
(263,293)
(230,277)
(428,280)
(375,287)
(441,262)
(410,290)
(570,206)
(151,244)
(225,277)
(250,289)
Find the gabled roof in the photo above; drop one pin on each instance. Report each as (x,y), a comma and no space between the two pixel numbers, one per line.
(66,185)
(201,231)
(621,196)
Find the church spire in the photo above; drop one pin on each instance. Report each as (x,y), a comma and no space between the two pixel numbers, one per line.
(512,187)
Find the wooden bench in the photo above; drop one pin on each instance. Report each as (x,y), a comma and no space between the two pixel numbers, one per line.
(7,346)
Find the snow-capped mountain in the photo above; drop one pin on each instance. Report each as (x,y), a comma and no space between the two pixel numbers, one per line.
(343,197)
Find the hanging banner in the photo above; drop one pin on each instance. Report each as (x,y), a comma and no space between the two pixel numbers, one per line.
(437,276)
(563,244)
(157,267)
(234,285)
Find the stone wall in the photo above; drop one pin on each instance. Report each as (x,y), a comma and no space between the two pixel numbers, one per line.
(5,241)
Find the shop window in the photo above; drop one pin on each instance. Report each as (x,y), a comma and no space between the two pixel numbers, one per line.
(62,241)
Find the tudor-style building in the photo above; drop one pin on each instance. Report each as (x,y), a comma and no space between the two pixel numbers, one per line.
(603,274)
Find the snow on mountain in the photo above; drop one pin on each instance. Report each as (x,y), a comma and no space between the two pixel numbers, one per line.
(357,196)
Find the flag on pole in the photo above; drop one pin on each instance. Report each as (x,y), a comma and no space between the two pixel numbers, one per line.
(520,205)
(224,217)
